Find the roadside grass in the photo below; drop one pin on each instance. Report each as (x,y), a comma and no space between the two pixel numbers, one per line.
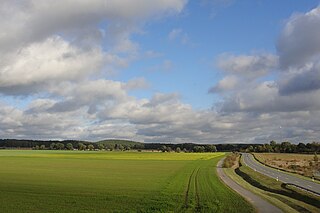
(286,198)
(265,195)
(76,181)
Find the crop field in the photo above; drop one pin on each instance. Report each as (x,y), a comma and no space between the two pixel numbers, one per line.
(299,163)
(75,181)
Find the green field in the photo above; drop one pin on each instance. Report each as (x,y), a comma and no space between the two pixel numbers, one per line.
(72,181)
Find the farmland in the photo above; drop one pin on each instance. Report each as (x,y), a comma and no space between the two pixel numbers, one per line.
(298,163)
(74,181)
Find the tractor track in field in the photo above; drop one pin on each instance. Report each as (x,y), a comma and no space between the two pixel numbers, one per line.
(197,191)
(188,189)
(194,174)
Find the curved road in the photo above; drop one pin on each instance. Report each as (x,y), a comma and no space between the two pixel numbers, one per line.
(281,176)
(260,204)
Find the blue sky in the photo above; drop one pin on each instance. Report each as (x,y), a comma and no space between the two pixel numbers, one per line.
(208,71)
(239,27)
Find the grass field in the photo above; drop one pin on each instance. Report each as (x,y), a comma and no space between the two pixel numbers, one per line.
(72,181)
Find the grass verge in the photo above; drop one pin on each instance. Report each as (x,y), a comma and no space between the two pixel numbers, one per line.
(286,198)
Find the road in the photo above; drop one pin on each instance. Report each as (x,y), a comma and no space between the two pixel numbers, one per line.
(261,205)
(281,176)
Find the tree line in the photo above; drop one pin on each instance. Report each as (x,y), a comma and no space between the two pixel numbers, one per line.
(122,145)
(285,147)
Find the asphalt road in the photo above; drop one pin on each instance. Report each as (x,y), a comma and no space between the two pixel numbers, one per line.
(260,204)
(281,176)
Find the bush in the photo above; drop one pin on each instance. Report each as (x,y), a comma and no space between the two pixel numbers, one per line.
(230,160)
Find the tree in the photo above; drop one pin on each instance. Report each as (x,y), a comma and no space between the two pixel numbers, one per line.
(198,149)
(109,147)
(120,147)
(60,146)
(81,146)
(100,146)
(211,148)
(42,147)
(69,146)
(53,146)
(250,148)
(36,147)
(178,150)
(163,148)
(273,144)
(90,147)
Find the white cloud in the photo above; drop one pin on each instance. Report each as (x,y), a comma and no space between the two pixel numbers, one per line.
(52,60)
(251,66)
(299,41)
(57,49)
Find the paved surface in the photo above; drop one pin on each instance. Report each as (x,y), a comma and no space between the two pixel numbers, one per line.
(281,176)
(261,205)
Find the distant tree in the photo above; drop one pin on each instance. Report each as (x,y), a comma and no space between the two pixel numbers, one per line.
(36,147)
(268,148)
(178,150)
(109,147)
(210,148)
(250,149)
(169,149)
(273,143)
(81,146)
(120,147)
(60,146)
(69,146)
(285,147)
(185,150)
(301,147)
(52,146)
(198,149)
(100,146)
(42,147)
(163,148)
(90,147)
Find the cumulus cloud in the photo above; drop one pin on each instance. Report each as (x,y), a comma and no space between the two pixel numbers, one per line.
(290,99)
(228,83)
(251,66)
(56,58)
(52,60)
(299,41)
(303,82)
(30,21)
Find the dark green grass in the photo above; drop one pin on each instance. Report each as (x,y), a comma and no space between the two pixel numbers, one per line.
(61,181)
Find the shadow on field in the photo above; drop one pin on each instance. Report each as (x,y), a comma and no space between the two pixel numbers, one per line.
(284,191)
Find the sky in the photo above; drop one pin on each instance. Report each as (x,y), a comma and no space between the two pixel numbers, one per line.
(172,71)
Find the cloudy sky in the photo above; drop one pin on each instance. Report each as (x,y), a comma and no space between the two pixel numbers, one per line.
(207,71)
